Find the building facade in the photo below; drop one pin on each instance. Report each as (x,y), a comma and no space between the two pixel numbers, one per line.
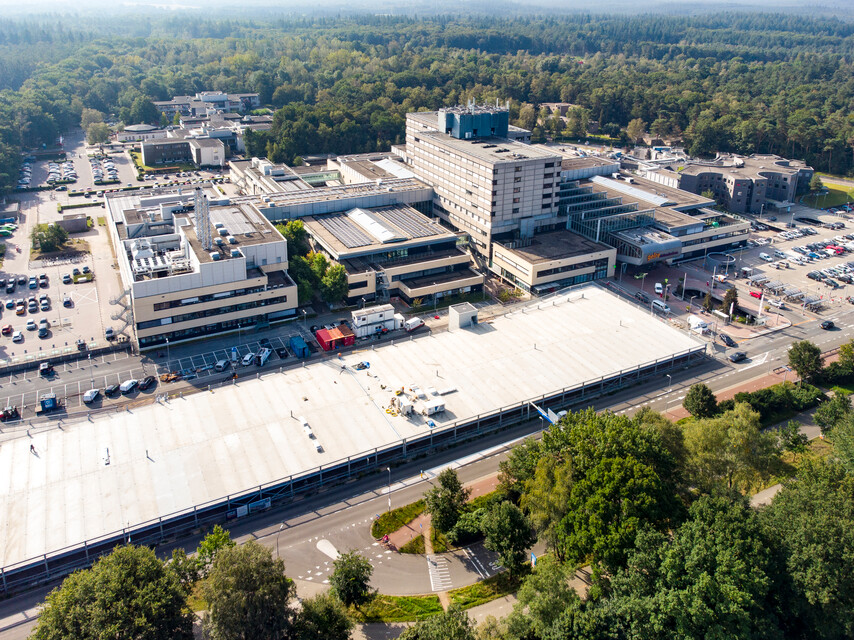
(193,264)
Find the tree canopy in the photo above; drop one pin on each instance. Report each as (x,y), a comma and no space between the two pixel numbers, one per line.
(127,594)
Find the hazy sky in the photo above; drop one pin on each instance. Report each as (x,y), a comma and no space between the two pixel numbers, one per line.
(845,8)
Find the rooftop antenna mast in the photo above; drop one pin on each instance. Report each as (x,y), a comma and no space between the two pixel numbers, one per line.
(203,220)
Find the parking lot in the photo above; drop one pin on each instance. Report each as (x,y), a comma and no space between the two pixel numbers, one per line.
(786,268)
(198,368)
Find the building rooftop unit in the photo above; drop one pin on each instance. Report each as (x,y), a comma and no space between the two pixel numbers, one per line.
(360,232)
(555,245)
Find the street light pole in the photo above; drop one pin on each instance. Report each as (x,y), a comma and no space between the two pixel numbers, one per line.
(167,353)
(91,373)
(303,317)
(669,389)
(389,487)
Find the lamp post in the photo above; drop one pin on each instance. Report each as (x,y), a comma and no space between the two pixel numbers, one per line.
(691,302)
(303,317)
(167,353)
(669,389)
(91,373)
(282,526)
(389,487)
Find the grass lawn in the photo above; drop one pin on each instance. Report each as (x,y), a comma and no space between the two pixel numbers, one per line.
(395,519)
(102,221)
(485,591)
(384,608)
(439,541)
(416,545)
(837,194)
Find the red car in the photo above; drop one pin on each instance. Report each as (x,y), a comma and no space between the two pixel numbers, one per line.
(756,294)
(7,330)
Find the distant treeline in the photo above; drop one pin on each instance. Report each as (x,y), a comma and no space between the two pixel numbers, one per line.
(731,82)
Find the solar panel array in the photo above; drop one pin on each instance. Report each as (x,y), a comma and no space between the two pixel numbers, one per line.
(408,223)
(346,232)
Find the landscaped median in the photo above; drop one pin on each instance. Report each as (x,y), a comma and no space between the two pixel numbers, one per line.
(393,520)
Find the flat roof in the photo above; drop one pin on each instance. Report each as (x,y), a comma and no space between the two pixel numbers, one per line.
(171,456)
(349,234)
(491,149)
(754,166)
(557,245)
(338,192)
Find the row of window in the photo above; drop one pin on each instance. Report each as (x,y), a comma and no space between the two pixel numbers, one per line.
(212,312)
(601,263)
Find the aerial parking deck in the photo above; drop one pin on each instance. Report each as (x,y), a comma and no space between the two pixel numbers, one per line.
(149,471)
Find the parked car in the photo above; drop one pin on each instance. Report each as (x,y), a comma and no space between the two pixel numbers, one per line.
(128,385)
(640,295)
(66,278)
(7,330)
(147,382)
(91,395)
(111,389)
(17,337)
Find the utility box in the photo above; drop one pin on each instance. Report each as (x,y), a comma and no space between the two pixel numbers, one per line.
(461,316)
(433,406)
(299,347)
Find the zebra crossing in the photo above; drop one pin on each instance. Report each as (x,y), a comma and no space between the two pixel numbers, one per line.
(440,574)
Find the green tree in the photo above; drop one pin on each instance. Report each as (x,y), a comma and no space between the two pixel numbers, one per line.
(730,301)
(176,119)
(708,301)
(792,439)
(333,285)
(446,501)
(143,111)
(185,567)
(49,237)
(545,594)
(509,533)
(319,264)
(815,183)
(351,578)
(546,496)
(842,437)
(635,129)
(453,624)
(805,358)
(812,518)
(715,579)
(832,412)
(322,616)
(248,595)
(127,594)
(296,236)
(97,133)
(708,194)
(730,450)
(700,402)
(608,506)
(210,546)
(90,116)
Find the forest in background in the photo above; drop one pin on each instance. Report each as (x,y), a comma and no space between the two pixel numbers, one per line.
(746,82)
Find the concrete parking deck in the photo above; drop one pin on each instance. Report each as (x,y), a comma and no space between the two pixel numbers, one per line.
(57,489)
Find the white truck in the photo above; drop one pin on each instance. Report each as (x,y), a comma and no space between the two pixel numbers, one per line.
(413,323)
(262,356)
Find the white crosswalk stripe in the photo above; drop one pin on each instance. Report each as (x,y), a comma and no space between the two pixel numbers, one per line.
(440,575)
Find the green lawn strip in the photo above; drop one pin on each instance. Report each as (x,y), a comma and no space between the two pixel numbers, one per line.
(486,500)
(485,591)
(102,221)
(393,520)
(439,541)
(384,608)
(416,545)
(837,194)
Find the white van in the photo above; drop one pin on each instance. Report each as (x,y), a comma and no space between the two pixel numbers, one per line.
(659,306)
(248,359)
(413,323)
(262,356)
(128,385)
